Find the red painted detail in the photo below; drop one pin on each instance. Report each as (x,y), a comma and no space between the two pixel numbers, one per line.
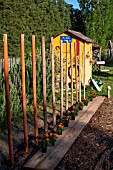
(77,47)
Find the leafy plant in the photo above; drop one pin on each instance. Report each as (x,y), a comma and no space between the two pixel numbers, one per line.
(80,105)
(15,103)
(16,90)
(52,138)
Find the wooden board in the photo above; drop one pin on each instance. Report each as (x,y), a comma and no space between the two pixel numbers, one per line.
(50,160)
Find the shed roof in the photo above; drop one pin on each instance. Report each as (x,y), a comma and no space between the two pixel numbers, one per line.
(96,47)
(78,35)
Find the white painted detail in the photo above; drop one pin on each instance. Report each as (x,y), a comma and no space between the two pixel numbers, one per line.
(96,85)
(100,62)
(109,88)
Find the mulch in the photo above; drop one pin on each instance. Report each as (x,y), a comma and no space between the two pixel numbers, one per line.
(93,149)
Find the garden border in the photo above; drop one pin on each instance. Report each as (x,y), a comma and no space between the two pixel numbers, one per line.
(50,160)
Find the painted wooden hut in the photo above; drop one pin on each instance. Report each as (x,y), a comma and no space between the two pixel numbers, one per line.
(79,46)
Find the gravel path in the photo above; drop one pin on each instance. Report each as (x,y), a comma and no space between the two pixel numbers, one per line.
(93,149)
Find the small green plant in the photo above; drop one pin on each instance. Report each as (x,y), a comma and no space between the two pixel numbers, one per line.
(74,112)
(80,105)
(15,103)
(66,121)
(43,142)
(85,101)
(52,138)
(60,128)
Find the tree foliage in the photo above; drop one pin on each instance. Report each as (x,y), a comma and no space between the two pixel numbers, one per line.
(42,18)
(94,19)
(51,17)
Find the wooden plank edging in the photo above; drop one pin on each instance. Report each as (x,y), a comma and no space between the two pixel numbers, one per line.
(50,160)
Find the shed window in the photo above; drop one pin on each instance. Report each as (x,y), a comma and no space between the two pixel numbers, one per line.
(77,47)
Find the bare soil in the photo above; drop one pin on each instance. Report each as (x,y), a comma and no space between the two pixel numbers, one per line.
(92,150)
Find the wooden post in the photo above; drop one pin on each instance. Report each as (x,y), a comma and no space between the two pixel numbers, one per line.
(66,75)
(2,66)
(71,74)
(100,54)
(84,63)
(44,83)
(76,74)
(80,74)
(61,81)
(109,88)
(53,82)
(24,93)
(34,85)
(5,46)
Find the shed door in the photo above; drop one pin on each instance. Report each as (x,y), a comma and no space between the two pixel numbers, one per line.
(77,47)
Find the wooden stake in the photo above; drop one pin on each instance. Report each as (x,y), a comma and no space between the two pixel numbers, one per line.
(71,74)
(44,83)
(61,80)
(34,86)
(76,74)
(53,82)
(6,74)
(24,93)
(84,62)
(66,75)
(80,74)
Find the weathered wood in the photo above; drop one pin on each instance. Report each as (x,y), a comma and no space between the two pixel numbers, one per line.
(84,63)
(61,80)
(66,75)
(24,92)
(71,58)
(44,83)
(53,82)
(6,74)
(80,74)
(34,86)
(76,74)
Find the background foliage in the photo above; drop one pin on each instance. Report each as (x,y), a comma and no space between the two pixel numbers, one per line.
(16,91)
(42,18)
(98,19)
(51,17)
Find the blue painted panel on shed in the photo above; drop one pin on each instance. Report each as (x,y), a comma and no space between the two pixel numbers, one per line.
(66,38)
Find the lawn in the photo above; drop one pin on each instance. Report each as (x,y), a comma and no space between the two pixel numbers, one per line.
(106,78)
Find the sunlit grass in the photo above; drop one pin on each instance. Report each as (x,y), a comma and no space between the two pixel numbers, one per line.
(106,78)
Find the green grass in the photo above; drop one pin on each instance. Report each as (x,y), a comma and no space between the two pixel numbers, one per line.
(106,78)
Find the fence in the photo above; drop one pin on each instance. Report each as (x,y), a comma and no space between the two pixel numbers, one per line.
(11,62)
(7,64)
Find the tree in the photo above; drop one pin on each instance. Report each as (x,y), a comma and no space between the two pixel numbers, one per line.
(98,17)
(42,18)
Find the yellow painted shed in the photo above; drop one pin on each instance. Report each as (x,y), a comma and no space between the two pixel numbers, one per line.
(81,47)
